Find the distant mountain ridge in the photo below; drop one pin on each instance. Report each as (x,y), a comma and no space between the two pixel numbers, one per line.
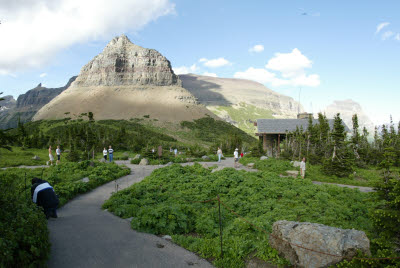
(27,104)
(126,81)
(347,108)
(240,101)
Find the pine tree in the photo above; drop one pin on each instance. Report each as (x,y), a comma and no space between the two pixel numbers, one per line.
(341,161)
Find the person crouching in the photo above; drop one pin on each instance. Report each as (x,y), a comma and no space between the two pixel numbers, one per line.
(43,195)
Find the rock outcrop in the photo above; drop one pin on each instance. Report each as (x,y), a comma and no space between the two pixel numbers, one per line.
(28,104)
(338,244)
(123,63)
(347,108)
(126,81)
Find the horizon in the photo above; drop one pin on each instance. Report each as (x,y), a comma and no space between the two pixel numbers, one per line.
(329,51)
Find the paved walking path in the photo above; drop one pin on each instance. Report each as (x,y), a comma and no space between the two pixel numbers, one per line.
(86,236)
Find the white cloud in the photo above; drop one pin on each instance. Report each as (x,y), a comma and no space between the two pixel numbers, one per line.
(43,75)
(34,31)
(215,63)
(289,64)
(210,74)
(290,67)
(380,26)
(397,37)
(387,35)
(262,76)
(185,69)
(257,48)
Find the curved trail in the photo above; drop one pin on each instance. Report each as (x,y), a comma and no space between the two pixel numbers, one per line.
(84,235)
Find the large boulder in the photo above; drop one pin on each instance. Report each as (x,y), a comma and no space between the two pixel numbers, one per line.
(263,157)
(144,162)
(293,173)
(138,156)
(36,157)
(295,163)
(338,244)
(205,157)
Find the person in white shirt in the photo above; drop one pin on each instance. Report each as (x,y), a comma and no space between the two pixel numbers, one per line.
(236,157)
(58,152)
(219,152)
(303,167)
(110,153)
(105,154)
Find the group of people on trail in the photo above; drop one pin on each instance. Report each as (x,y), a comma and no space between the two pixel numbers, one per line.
(51,157)
(110,153)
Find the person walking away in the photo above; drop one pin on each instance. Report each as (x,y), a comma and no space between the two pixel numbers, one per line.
(236,157)
(303,167)
(105,154)
(241,154)
(219,153)
(110,153)
(51,156)
(58,152)
(44,196)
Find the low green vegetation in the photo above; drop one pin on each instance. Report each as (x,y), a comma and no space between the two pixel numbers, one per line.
(165,203)
(244,115)
(80,138)
(368,177)
(23,226)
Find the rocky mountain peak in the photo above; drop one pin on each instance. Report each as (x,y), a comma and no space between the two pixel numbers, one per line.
(124,63)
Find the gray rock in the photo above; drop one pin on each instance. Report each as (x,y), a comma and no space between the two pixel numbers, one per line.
(292,173)
(138,156)
(169,163)
(36,157)
(86,180)
(343,243)
(250,165)
(144,162)
(67,151)
(189,159)
(129,219)
(296,163)
(167,237)
(205,157)
(102,160)
(263,157)
(127,64)
(126,154)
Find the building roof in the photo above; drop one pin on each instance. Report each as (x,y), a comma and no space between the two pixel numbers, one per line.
(281,126)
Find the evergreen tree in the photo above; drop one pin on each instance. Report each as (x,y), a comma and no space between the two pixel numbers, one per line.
(341,161)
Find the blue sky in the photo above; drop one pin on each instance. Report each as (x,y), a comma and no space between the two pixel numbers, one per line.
(332,52)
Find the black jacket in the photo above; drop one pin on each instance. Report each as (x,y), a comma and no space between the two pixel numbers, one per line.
(46,198)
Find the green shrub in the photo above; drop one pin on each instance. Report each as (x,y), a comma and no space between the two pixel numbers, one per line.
(161,204)
(24,238)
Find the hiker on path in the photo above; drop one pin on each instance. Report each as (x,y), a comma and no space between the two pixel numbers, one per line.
(51,157)
(241,154)
(303,167)
(105,154)
(58,152)
(219,153)
(110,153)
(176,152)
(43,195)
(236,157)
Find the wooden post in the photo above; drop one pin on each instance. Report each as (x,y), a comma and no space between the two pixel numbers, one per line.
(279,144)
(264,142)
